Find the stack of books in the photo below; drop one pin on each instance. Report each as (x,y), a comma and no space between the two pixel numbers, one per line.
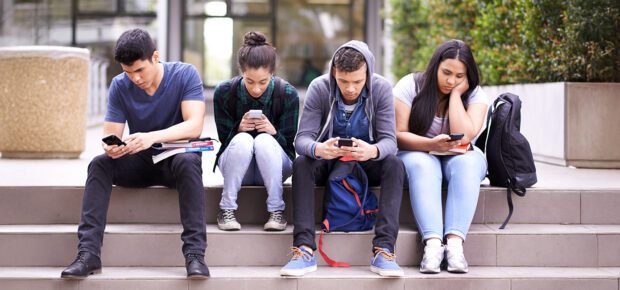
(173,148)
(454,151)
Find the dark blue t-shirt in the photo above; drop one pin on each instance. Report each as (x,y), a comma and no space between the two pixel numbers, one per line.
(144,113)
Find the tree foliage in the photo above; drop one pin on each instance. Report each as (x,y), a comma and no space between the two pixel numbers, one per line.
(514,41)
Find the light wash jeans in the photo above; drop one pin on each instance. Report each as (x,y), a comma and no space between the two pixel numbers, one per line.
(254,161)
(463,174)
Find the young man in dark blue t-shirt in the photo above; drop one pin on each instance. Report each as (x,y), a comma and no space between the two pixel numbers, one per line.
(160,102)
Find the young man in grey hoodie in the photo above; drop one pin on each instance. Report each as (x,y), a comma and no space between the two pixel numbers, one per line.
(348,102)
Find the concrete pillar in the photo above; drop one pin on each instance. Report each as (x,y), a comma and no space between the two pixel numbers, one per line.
(43,92)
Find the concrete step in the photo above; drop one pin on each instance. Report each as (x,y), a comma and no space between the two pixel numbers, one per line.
(257,278)
(62,205)
(531,245)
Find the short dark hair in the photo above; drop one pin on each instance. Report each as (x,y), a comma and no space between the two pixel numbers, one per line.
(348,59)
(135,44)
(256,52)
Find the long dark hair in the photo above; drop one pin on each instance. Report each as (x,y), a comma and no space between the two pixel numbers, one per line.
(425,104)
(256,52)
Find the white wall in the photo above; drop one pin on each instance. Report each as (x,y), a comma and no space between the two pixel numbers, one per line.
(543,117)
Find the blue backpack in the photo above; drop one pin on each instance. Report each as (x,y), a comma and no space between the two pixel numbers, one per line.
(349,206)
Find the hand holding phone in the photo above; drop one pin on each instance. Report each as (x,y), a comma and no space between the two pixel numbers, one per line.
(113,140)
(454,137)
(345,142)
(255,114)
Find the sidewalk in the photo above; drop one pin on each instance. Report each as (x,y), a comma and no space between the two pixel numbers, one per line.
(59,172)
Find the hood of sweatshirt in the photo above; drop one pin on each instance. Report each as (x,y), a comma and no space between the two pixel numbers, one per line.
(370,65)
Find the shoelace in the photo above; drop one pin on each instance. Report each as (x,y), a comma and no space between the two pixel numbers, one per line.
(387,255)
(81,257)
(228,215)
(276,216)
(298,253)
(193,256)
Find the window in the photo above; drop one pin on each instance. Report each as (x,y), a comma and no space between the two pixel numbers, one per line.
(305,33)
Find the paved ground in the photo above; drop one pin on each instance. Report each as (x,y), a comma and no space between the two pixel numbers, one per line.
(15,172)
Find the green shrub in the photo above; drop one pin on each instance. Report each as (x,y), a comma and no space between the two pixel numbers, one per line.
(514,41)
(497,46)
(593,40)
(421,25)
(410,21)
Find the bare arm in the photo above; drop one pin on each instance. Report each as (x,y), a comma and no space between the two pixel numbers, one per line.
(468,122)
(111,128)
(193,119)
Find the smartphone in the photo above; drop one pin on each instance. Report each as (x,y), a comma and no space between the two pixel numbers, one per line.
(345,142)
(454,137)
(255,114)
(113,140)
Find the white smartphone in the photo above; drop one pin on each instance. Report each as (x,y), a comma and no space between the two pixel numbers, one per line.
(255,114)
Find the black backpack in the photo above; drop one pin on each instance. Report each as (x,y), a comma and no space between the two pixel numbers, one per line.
(509,156)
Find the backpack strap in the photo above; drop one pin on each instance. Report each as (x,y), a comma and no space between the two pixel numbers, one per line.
(510,205)
(510,188)
(417,79)
(326,258)
(279,94)
(233,98)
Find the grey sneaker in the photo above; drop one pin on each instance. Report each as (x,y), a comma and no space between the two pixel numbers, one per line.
(456,260)
(276,222)
(226,220)
(433,256)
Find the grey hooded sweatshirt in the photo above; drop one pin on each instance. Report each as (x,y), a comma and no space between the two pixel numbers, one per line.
(316,123)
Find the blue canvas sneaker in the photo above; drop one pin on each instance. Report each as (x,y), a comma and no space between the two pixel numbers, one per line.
(301,263)
(384,263)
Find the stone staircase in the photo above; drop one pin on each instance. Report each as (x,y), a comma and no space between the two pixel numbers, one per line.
(557,239)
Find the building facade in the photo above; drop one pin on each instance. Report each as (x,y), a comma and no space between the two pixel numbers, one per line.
(205,33)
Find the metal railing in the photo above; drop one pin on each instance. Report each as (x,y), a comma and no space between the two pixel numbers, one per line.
(97,90)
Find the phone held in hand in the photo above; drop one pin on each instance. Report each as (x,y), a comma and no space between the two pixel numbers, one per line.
(454,137)
(255,114)
(345,142)
(112,140)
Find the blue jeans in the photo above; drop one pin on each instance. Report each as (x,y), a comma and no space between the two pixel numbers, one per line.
(463,174)
(254,161)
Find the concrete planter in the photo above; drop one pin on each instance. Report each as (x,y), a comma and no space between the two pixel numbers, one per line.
(43,92)
(576,124)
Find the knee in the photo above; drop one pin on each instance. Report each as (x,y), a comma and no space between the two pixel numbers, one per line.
(392,163)
(264,138)
(264,142)
(302,163)
(470,163)
(101,162)
(415,160)
(186,161)
(242,141)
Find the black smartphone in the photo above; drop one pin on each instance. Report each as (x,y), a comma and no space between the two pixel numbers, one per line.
(454,137)
(345,142)
(113,140)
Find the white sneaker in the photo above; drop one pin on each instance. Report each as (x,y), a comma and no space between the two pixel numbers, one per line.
(433,256)
(276,222)
(456,259)
(226,220)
